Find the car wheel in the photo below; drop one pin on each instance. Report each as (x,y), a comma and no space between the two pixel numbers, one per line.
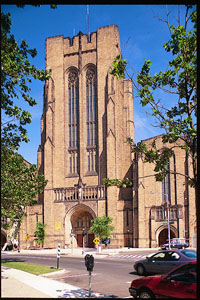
(140,270)
(146,294)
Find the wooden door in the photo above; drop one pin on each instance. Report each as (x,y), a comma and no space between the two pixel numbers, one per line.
(90,240)
(79,240)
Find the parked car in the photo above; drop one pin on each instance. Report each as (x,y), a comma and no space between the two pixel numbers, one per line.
(178,283)
(178,244)
(164,261)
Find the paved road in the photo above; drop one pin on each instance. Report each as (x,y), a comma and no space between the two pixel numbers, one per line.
(111,276)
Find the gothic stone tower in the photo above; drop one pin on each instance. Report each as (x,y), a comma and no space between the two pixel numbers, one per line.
(87,117)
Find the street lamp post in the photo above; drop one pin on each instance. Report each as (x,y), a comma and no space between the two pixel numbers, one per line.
(83,234)
(72,235)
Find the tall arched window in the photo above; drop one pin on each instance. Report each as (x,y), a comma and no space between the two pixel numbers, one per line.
(73,103)
(91,120)
(166,190)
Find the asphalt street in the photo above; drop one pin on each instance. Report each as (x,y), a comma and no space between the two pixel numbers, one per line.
(111,275)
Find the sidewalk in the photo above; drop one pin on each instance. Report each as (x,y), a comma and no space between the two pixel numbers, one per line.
(20,284)
(78,252)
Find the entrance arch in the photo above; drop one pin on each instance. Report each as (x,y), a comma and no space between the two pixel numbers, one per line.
(77,219)
(162,234)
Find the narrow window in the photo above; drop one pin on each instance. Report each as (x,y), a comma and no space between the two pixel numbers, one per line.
(73,103)
(36,215)
(166,193)
(91,118)
(127,218)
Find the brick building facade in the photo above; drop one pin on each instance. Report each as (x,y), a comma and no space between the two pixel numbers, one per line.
(87,117)
(152,200)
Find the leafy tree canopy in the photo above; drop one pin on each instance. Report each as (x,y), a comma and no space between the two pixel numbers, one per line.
(102,227)
(20,182)
(20,185)
(180,80)
(16,75)
(122,183)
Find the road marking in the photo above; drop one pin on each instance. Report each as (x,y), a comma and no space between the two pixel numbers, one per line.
(96,262)
(127,256)
(78,275)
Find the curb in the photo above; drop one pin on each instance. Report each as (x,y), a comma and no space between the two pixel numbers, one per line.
(53,273)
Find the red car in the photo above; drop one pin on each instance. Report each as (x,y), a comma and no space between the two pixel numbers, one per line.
(178,283)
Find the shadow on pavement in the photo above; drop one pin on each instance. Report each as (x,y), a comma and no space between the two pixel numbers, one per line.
(80,293)
(135,273)
(12,260)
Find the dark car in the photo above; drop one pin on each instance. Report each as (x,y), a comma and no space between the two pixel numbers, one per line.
(179,283)
(178,244)
(164,261)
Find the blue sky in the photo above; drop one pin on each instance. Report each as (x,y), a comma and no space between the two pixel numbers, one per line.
(142,36)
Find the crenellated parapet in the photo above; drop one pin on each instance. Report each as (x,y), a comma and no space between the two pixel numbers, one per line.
(73,45)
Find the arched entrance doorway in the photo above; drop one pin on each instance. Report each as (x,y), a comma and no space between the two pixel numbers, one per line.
(162,234)
(77,220)
(81,222)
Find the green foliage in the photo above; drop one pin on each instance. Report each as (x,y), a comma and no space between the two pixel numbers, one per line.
(121,183)
(40,232)
(180,80)
(27,267)
(16,75)
(160,157)
(101,227)
(20,184)
(118,67)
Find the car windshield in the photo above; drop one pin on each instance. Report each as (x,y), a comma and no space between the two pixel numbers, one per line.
(190,253)
(151,254)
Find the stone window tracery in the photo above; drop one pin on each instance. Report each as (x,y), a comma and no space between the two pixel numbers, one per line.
(166,190)
(73,123)
(83,221)
(91,118)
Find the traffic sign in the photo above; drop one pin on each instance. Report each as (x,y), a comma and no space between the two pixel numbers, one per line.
(27,237)
(96,241)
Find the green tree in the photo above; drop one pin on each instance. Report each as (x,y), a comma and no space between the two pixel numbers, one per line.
(16,75)
(122,183)
(40,233)
(102,227)
(20,182)
(20,185)
(178,122)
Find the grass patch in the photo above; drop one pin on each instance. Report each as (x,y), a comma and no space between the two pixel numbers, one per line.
(27,267)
